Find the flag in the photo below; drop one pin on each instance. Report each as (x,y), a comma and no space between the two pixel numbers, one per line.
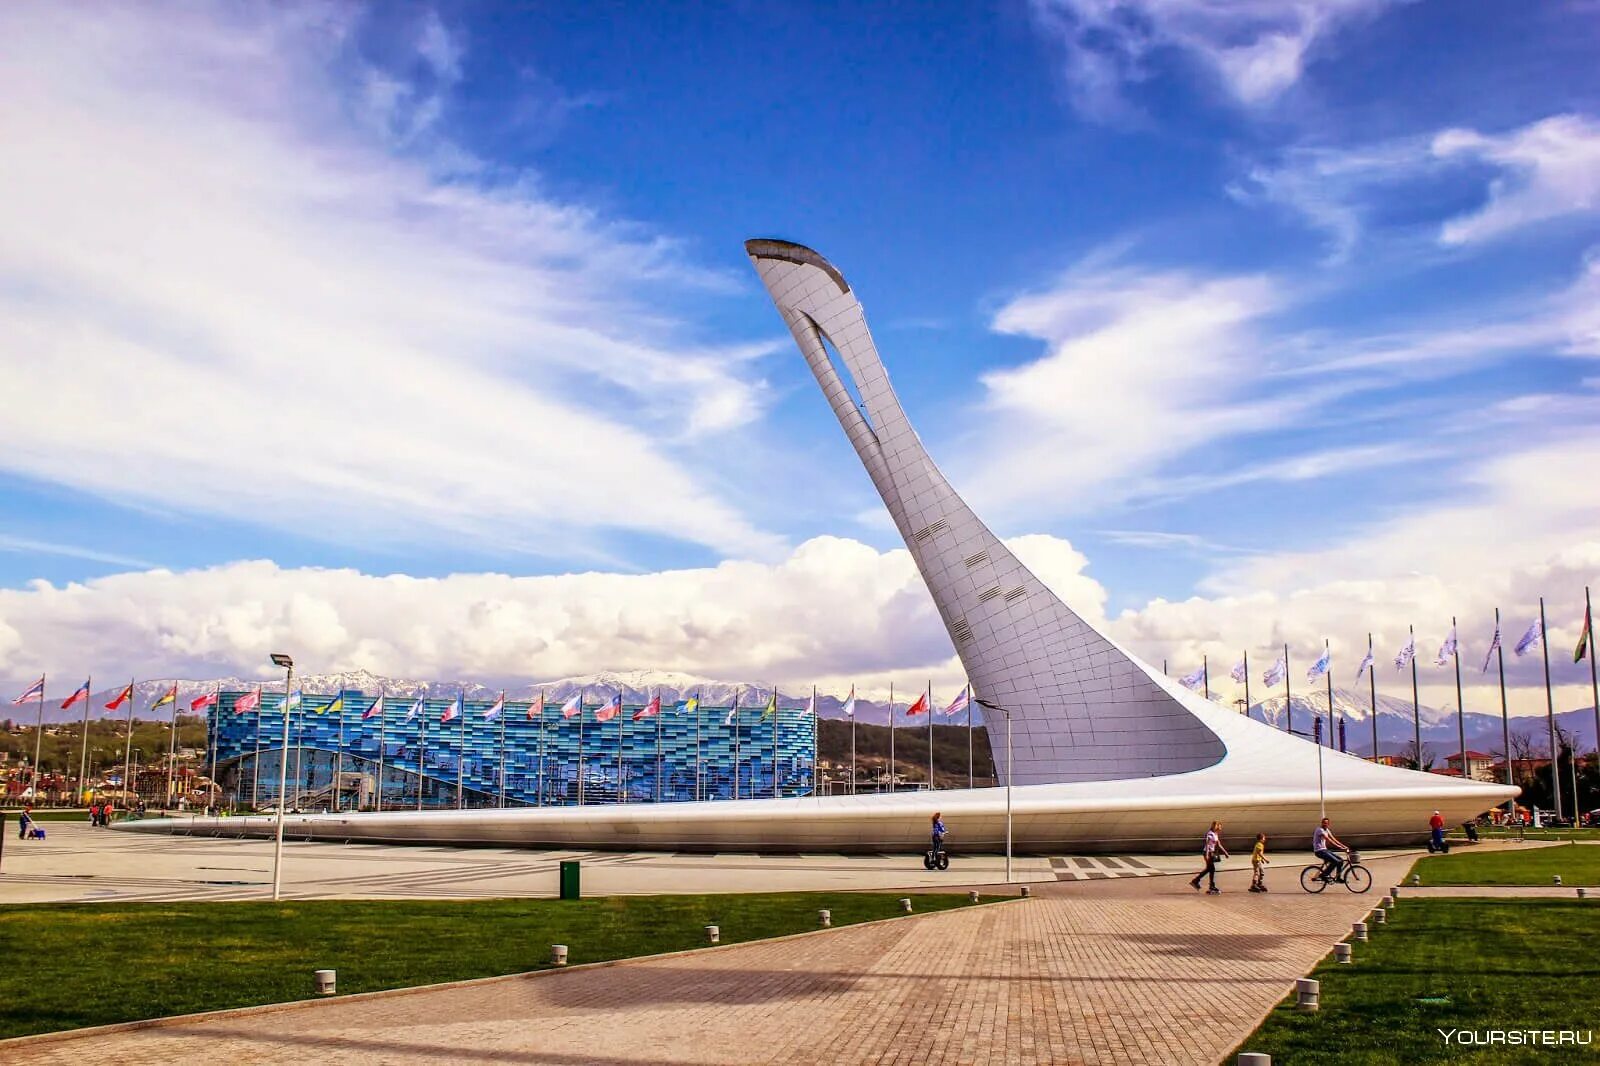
(1530,638)
(734,710)
(1447,649)
(1366,664)
(649,710)
(771,708)
(688,705)
(495,708)
(295,699)
(336,707)
(1494,646)
(536,708)
(169,696)
(919,707)
(250,701)
(199,703)
(1405,654)
(1275,676)
(573,707)
(960,703)
(123,697)
(82,693)
(35,689)
(1585,638)
(1193,680)
(850,704)
(1320,667)
(452,712)
(811,704)
(374,711)
(415,711)
(1239,671)
(610,710)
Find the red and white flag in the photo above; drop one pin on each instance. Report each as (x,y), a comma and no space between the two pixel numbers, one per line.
(200,703)
(536,708)
(573,707)
(610,710)
(375,711)
(34,690)
(122,697)
(649,710)
(920,707)
(250,701)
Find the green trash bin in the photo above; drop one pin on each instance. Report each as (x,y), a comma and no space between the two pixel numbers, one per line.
(569,880)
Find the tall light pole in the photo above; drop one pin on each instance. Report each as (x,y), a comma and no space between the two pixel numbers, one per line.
(1007,713)
(279,659)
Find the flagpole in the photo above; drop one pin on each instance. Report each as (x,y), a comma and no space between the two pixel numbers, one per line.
(461,752)
(891,736)
(1372,684)
(622,795)
(776,713)
(815,740)
(127,745)
(1550,711)
(1327,649)
(172,750)
(299,743)
(658,747)
(38,742)
(698,750)
(502,747)
(1416,703)
(1461,708)
(1205,675)
(734,714)
(1505,713)
(83,757)
(1288,694)
(1247,683)
(383,715)
(929,693)
(255,767)
(969,733)
(852,742)
(213,727)
(580,745)
(540,801)
(338,766)
(1594,679)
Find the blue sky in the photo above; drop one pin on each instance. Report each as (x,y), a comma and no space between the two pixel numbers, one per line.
(1264,321)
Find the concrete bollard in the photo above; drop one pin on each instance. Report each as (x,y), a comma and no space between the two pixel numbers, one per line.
(558,954)
(1307,993)
(905,904)
(972,897)
(1341,952)
(1556,880)
(1416,879)
(1387,903)
(1360,930)
(713,934)
(825,918)
(1394,893)
(1026,891)
(1583,893)
(1380,917)
(325,982)
(1254,1058)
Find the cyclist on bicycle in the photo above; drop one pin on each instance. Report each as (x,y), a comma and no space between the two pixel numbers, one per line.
(938,833)
(1324,845)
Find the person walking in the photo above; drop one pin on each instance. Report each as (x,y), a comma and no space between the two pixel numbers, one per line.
(1258,864)
(25,822)
(1436,832)
(1212,850)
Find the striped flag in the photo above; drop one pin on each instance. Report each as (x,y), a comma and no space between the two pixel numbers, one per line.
(573,707)
(649,710)
(960,703)
(374,711)
(850,704)
(452,712)
(336,707)
(169,696)
(610,710)
(495,708)
(250,701)
(1534,634)
(536,708)
(34,690)
(199,703)
(81,693)
(1586,638)
(122,697)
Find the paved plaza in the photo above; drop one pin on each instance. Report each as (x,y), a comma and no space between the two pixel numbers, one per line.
(1127,967)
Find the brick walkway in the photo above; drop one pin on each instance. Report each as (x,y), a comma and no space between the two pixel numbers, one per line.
(1132,971)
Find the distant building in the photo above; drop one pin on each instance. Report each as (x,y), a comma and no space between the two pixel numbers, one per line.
(1480,765)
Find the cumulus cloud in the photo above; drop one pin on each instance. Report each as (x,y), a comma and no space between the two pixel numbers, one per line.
(1256,49)
(244,271)
(832,612)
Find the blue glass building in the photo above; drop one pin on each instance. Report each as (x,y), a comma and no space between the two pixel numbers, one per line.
(402,762)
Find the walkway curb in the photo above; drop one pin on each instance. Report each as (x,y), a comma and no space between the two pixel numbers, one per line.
(175,1020)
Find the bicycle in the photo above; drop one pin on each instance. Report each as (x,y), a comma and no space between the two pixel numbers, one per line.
(1351,874)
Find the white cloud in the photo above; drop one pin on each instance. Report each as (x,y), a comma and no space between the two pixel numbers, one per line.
(1257,49)
(1547,170)
(832,612)
(221,292)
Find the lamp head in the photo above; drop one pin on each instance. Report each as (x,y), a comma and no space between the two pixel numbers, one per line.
(280,659)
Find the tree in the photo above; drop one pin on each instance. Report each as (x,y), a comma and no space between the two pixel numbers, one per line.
(1412,759)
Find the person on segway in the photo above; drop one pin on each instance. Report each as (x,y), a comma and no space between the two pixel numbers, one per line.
(936,858)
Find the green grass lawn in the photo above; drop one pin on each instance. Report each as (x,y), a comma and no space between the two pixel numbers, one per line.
(63,815)
(72,965)
(1492,833)
(1523,964)
(1578,864)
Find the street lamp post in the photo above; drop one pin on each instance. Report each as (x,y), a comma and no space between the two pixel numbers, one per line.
(1007,713)
(279,659)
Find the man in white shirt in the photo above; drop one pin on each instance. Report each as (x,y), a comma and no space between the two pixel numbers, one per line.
(1324,845)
